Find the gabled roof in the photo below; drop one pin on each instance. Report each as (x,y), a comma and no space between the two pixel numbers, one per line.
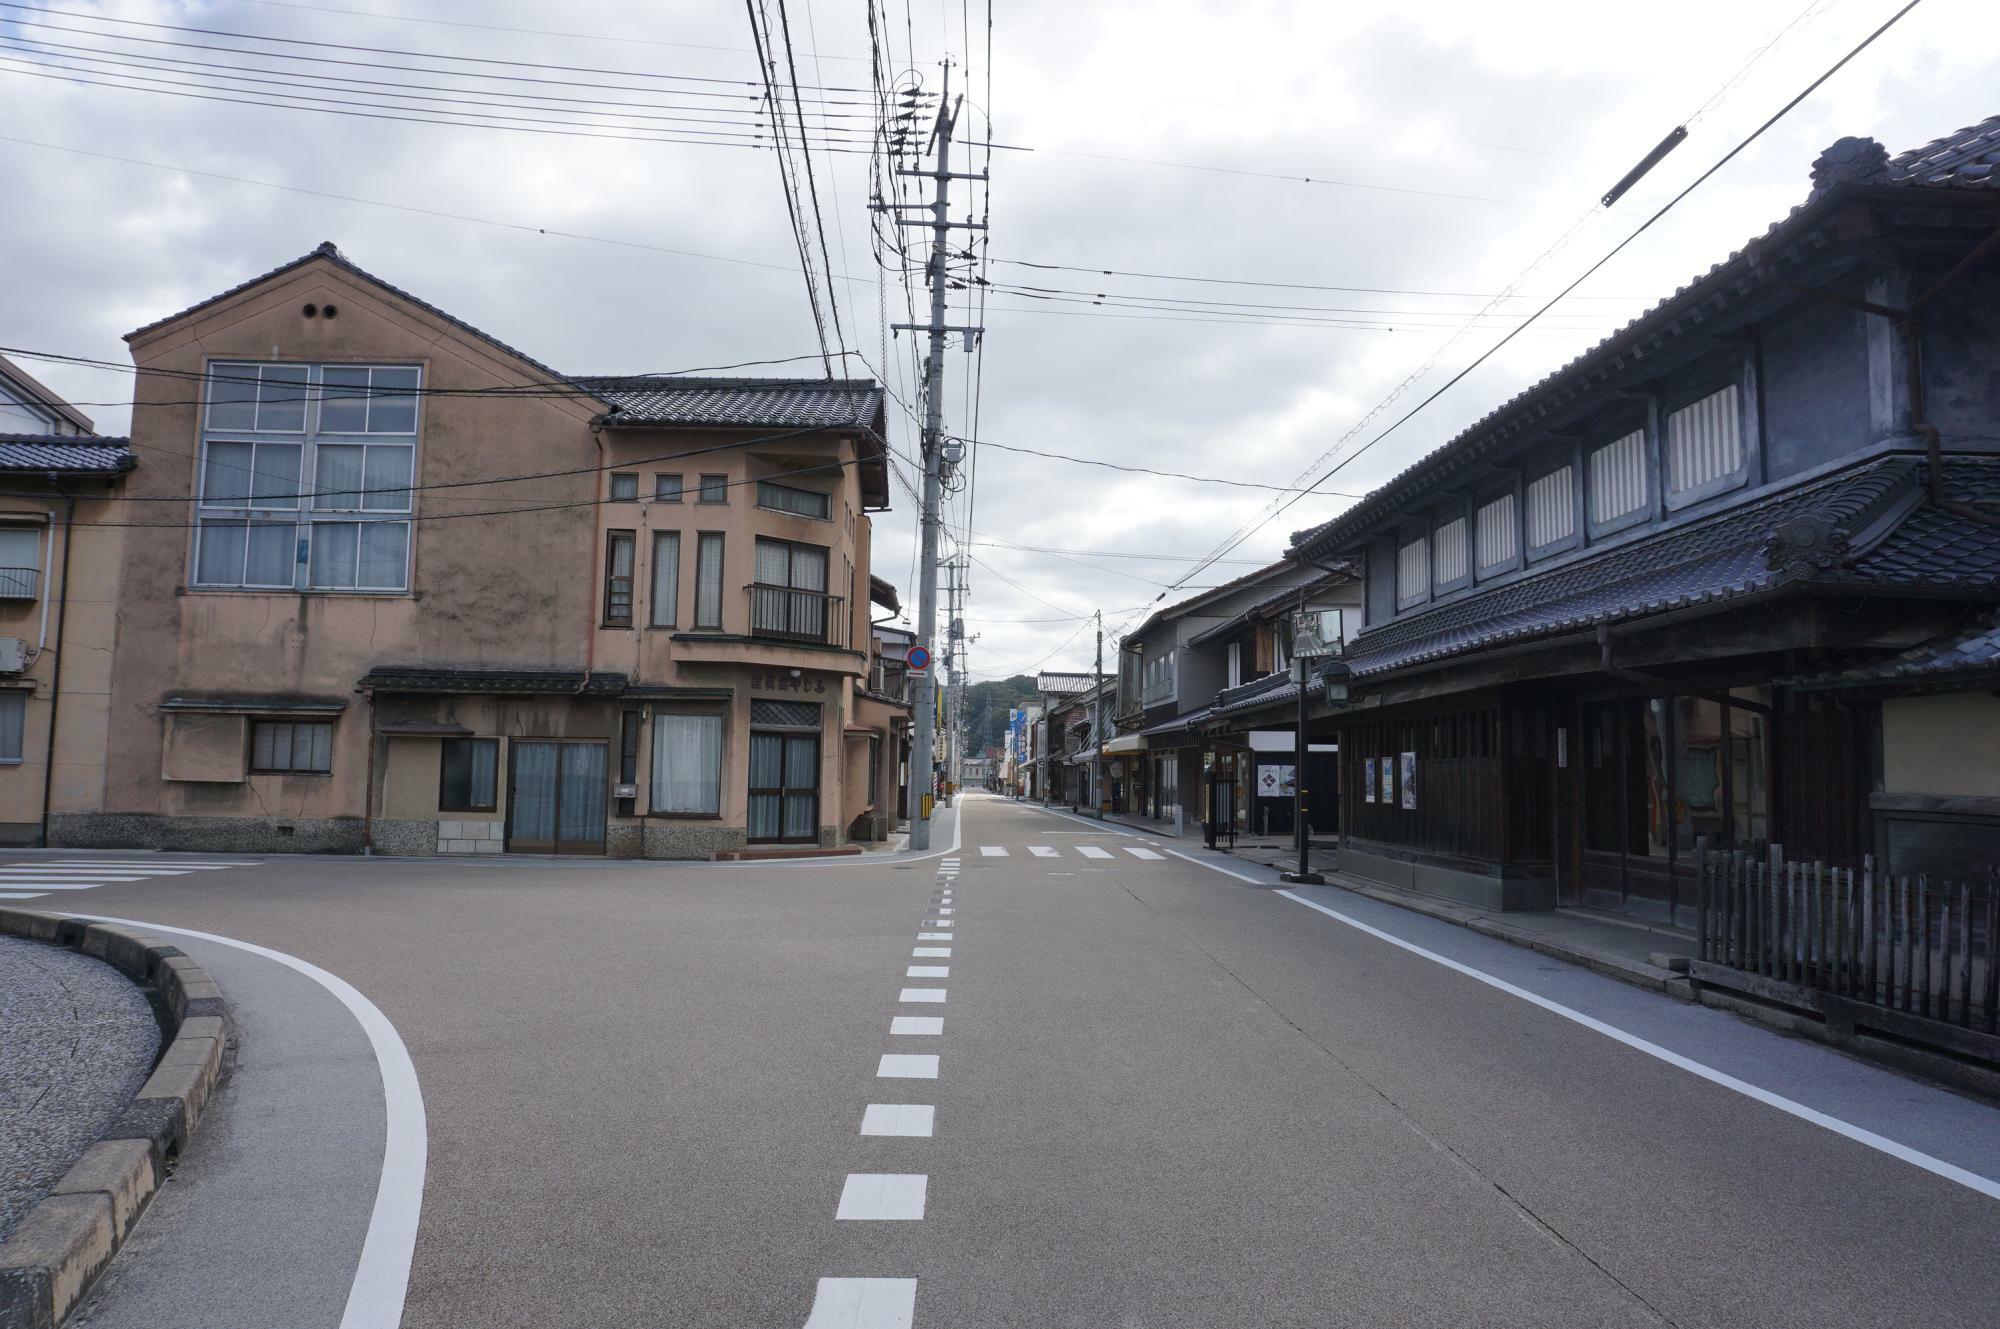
(1055,684)
(1956,657)
(882,592)
(1866,528)
(328,251)
(66,454)
(1275,605)
(1960,161)
(32,387)
(751,403)
(1182,608)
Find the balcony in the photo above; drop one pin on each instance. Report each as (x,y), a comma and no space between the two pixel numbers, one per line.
(20,583)
(787,613)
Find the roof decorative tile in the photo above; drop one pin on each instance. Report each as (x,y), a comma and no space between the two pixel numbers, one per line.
(70,454)
(762,403)
(1875,533)
(1964,159)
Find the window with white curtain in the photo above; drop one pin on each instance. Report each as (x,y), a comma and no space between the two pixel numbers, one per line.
(1449,551)
(1497,534)
(306,477)
(1704,441)
(1618,477)
(20,561)
(687,764)
(1552,508)
(708,580)
(13,724)
(1235,667)
(666,578)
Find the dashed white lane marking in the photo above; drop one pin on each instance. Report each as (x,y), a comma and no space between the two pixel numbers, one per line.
(20,895)
(993,851)
(939,923)
(907,1066)
(899,1119)
(1951,1172)
(882,1197)
(932,952)
(66,883)
(1145,853)
(928,971)
(921,994)
(1042,850)
(864,1303)
(944,911)
(934,936)
(916,1024)
(156,865)
(1092,851)
(65,870)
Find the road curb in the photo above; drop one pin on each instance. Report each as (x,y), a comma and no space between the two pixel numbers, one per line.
(70,1236)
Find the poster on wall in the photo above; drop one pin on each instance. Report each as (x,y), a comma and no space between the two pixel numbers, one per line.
(1410,780)
(1274,781)
(1388,781)
(1368,778)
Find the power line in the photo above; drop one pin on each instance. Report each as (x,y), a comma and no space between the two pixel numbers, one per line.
(1273,285)
(1147,470)
(1587,273)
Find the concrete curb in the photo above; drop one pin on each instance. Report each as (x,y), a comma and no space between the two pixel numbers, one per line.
(68,1238)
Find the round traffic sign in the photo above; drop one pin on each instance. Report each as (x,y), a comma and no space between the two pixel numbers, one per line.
(920,658)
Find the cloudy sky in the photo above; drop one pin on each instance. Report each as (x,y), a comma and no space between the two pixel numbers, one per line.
(1432,156)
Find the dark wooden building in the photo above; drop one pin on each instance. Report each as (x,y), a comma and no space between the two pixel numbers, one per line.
(1697,583)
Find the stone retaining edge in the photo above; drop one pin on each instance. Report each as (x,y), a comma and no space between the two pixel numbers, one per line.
(67,1239)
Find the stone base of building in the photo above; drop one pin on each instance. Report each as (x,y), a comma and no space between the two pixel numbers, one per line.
(16,834)
(210,835)
(689,839)
(1480,890)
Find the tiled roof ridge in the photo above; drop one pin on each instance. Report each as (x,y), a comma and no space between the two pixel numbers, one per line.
(71,440)
(711,382)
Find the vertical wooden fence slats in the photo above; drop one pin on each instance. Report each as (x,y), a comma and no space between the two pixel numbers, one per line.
(1891,941)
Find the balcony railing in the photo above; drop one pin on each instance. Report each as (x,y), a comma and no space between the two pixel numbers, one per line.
(19,583)
(789,614)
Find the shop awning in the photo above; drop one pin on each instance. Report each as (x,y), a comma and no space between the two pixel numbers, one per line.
(1125,743)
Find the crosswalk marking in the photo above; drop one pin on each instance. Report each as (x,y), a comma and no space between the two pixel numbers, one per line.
(70,874)
(1042,850)
(1092,851)
(993,851)
(1145,853)
(20,895)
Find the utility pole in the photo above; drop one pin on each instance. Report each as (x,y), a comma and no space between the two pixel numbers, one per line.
(955,709)
(937,455)
(1097,725)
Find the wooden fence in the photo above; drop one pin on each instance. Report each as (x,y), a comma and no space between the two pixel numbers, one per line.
(1904,955)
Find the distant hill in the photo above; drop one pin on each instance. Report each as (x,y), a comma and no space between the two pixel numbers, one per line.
(986,707)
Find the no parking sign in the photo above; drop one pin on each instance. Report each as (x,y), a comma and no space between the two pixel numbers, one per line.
(919,659)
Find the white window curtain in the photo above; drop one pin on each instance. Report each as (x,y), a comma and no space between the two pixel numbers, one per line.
(687,764)
(708,581)
(666,578)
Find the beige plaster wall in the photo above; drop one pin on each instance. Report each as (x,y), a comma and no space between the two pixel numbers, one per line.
(1946,745)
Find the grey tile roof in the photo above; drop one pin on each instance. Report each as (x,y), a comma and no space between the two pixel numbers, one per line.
(71,454)
(502,682)
(1255,695)
(1866,527)
(329,251)
(29,385)
(763,403)
(1053,683)
(1960,160)
(1973,651)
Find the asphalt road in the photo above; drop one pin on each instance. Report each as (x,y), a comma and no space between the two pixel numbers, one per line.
(1164,1097)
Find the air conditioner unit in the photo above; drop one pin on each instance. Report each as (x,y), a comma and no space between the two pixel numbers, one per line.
(13,655)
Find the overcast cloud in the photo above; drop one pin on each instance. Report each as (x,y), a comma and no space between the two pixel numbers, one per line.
(1528,111)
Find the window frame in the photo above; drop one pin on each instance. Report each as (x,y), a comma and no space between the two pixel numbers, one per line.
(613,539)
(444,804)
(304,510)
(257,723)
(1485,499)
(1690,392)
(1530,551)
(1617,432)
(721,720)
(825,498)
(13,697)
(680,487)
(612,494)
(654,598)
(701,539)
(1439,521)
(1406,539)
(721,488)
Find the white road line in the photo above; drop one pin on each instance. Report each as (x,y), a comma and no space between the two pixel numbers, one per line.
(1212,867)
(946,911)
(1951,1172)
(1042,850)
(882,1197)
(993,851)
(921,994)
(916,1024)
(933,936)
(56,870)
(1144,853)
(939,923)
(20,895)
(174,864)
(1092,851)
(864,1303)
(382,1275)
(67,883)
(899,1119)
(928,971)
(932,952)
(907,1066)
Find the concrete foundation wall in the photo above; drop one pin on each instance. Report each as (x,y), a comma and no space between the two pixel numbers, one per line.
(210,835)
(1473,888)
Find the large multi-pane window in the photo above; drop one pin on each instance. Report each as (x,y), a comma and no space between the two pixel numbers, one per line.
(789,597)
(291,746)
(620,547)
(687,764)
(468,774)
(708,579)
(791,498)
(306,475)
(666,578)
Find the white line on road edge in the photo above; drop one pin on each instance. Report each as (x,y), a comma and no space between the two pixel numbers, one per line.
(864,1303)
(1949,1171)
(382,1275)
